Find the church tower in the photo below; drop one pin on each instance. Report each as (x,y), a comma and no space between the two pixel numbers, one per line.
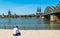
(9,12)
(38,10)
(38,13)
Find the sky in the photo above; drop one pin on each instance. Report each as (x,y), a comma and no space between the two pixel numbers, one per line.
(24,7)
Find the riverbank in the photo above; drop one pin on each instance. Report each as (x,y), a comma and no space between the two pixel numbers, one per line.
(31,34)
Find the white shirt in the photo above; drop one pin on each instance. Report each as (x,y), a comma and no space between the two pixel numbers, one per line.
(15,31)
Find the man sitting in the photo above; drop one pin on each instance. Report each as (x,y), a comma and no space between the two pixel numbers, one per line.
(16,31)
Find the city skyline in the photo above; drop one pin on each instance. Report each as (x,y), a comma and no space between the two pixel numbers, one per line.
(22,7)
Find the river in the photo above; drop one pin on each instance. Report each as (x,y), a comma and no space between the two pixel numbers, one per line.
(29,24)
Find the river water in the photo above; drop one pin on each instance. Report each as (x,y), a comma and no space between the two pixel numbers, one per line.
(29,24)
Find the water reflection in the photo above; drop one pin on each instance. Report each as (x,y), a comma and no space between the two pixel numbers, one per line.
(9,21)
(51,25)
(28,23)
(54,25)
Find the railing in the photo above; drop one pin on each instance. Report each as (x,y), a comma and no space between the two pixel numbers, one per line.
(32,26)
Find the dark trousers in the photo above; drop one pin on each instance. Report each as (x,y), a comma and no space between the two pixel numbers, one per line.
(17,34)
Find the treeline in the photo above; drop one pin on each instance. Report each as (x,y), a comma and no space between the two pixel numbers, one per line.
(17,16)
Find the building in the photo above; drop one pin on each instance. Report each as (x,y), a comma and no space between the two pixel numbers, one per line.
(39,13)
(9,12)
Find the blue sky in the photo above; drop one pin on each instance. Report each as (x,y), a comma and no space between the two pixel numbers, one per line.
(22,7)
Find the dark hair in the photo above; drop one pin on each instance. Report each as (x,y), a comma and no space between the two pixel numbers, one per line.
(16,26)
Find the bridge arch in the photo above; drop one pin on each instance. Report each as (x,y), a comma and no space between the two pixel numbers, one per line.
(58,7)
(49,9)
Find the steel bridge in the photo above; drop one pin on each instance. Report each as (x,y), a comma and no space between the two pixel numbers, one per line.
(52,12)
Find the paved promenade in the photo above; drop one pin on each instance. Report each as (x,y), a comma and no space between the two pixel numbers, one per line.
(31,34)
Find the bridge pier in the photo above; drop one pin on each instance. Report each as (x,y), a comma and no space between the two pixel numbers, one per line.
(42,17)
(54,18)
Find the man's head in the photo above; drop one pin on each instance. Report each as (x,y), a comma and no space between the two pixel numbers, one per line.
(16,26)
